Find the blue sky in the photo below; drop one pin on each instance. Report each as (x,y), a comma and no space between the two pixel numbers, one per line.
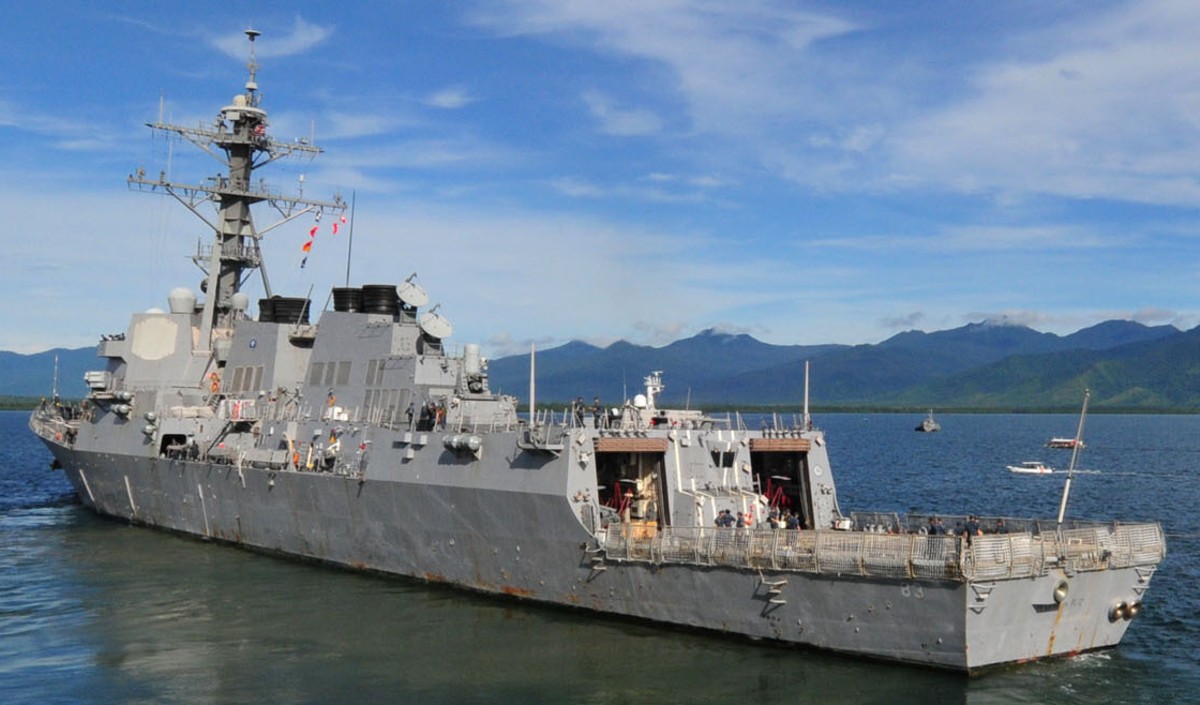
(805,172)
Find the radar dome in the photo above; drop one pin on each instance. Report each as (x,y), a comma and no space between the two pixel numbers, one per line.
(181,300)
(239,301)
(640,401)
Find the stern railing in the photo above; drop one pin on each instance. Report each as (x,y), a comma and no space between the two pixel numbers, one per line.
(899,556)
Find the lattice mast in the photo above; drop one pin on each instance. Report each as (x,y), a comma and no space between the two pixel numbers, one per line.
(239,139)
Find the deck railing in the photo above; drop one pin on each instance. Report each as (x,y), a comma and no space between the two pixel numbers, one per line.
(902,556)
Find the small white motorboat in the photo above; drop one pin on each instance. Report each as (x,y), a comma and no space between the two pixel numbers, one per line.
(1032,467)
(929,425)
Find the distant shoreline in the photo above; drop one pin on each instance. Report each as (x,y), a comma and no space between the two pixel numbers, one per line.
(23,403)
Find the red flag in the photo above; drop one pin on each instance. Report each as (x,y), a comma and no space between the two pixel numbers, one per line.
(335,228)
(343,218)
(313,232)
(307,247)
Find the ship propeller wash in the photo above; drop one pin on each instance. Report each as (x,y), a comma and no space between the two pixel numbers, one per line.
(357,438)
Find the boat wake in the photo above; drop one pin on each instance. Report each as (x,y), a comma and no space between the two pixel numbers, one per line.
(10,506)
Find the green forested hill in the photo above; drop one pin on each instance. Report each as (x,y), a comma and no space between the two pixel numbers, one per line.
(1161,374)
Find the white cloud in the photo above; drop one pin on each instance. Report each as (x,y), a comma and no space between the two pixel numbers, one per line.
(1152,316)
(1103,104)
(1031,319)
(304,35)
(907,321)
(1022,237)
(731,63)
(81,248)
(70,135)
(1107,107)
(857,139)
(657,333)
(658,192)
(960,239)
(707,181)
(340,124)
(450,98)
(384,157)
(576,188)
(625,122)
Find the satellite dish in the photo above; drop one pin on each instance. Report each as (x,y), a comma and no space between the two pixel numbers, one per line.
(412,293)
(434,325)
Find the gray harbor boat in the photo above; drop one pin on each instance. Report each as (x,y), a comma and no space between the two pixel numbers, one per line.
(356,436)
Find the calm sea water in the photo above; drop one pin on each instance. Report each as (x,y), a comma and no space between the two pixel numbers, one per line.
(95,611)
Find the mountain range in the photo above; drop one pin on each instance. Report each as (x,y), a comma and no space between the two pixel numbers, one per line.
(34,375)
(1126,365)
(979,365)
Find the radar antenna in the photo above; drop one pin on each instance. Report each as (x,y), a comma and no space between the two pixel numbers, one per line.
(252,65)
(412,293)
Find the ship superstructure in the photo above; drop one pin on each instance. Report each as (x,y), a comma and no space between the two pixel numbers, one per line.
(355,437)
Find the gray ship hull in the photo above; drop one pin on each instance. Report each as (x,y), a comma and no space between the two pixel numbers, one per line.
(531,546)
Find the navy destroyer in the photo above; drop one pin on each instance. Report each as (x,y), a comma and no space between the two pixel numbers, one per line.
(359,438)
